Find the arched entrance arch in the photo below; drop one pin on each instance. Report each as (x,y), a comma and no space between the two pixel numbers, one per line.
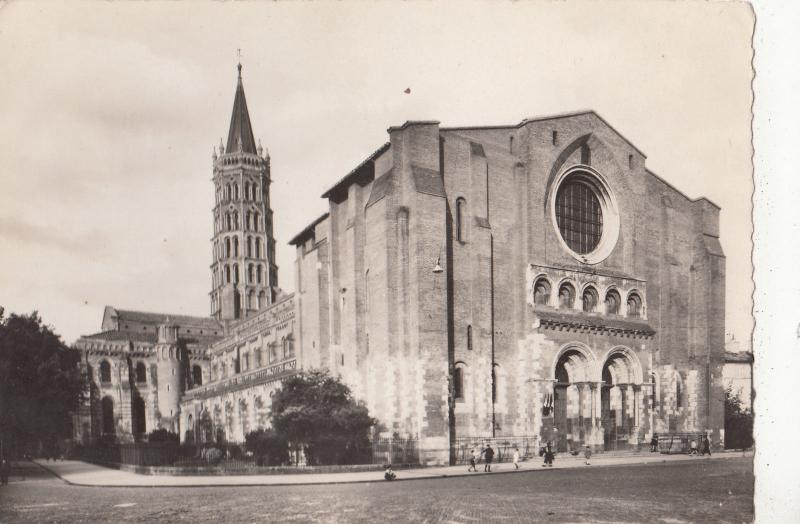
(572,373)
(620,398)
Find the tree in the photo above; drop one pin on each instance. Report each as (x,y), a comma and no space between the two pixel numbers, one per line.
(318,412)
(41,383)
(738,422)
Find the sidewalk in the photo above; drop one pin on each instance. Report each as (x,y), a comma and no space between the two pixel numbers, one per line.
(85,474)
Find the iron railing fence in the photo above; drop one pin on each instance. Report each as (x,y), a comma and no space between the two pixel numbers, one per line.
(234,458)
(680,442)
(503,447)
(395,451)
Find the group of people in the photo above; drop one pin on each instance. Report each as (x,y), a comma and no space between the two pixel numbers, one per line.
(487,454)
(695,448)
(705,446)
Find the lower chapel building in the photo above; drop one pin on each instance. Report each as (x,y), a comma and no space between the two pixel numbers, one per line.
(524,280)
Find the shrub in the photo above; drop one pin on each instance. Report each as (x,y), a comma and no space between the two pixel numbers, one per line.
(212,455)
(162,435)
(269,448)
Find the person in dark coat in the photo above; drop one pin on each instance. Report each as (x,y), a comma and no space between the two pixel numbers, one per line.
(488,456)
(706,448)
(548,456)
(5,470)
(654,443)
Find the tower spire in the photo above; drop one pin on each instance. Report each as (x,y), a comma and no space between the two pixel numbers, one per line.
(241,132)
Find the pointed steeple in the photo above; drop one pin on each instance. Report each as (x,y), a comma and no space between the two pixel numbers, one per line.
(240,133)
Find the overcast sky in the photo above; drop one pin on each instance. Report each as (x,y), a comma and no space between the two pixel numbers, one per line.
(109,112)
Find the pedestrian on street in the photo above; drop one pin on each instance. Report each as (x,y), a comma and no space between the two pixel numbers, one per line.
(475,456)
(515,458)
(488,455)
(5,470)
(706,445)
(654,443)
(588,455)
(548,456)
(693,447)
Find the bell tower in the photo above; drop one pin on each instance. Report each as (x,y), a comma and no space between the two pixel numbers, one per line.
(244,275)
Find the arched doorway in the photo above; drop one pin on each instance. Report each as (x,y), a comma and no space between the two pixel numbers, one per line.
(571,399)
(619,399)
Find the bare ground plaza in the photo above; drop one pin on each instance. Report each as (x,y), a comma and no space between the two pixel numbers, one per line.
(674,489)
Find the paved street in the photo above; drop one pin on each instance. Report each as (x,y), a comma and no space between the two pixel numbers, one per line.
(677,491)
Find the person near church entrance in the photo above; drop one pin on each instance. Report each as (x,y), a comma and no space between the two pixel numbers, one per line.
(654,443)
(515,458)
(706,446)
(588,455)
(488,456)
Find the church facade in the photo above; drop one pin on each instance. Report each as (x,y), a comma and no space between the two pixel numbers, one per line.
(533,280)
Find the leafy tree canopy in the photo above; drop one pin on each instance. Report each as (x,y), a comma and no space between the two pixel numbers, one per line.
(40,381)
(319,411)
(738,422)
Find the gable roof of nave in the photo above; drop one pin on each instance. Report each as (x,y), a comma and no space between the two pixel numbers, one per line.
(161,318)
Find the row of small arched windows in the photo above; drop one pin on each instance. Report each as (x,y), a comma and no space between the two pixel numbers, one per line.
(140,373)
(275,352)
(231,223)
(590,299)
(231,192)
(230,274)
(230,247)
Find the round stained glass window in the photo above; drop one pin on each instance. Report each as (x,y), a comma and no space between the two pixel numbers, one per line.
(579,216)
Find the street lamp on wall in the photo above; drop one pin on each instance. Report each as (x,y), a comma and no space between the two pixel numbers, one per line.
(438,267)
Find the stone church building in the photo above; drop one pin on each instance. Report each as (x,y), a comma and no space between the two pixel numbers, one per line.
(533,279)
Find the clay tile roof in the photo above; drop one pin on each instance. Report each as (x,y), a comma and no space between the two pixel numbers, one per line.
(353,175)
(161,318)
(583,320)
(300,237)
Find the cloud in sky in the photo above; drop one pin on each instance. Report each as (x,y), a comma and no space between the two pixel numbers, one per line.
(110,111)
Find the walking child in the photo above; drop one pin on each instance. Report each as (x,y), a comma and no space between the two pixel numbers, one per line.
(588,455)
(475,456)
(515,458)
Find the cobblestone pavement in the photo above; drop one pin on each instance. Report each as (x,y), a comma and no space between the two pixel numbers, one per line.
(670,492)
